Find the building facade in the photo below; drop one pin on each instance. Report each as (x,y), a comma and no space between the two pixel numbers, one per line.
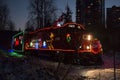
(113,17)
(91,13)
(113,27)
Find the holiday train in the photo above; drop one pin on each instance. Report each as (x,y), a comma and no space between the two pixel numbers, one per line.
(70,40)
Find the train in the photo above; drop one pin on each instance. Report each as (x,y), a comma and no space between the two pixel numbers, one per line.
(69,40)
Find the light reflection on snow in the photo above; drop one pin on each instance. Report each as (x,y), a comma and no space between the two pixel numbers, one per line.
(102,74)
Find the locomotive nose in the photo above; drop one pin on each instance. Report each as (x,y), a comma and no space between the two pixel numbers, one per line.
(90,44)
(96,46)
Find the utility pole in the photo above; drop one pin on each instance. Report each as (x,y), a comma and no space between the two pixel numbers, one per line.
(114,53)
(43,13)
(38,15)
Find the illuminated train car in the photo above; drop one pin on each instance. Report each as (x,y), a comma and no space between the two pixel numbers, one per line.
(70,39)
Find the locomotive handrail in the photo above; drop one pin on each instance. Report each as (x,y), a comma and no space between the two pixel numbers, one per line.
(70,50)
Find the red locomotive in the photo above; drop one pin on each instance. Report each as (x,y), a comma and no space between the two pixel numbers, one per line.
(70,39)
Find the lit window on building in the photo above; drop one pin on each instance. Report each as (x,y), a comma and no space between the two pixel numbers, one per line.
(91,4)
(89,23)
(117,10)
(78,10)
(119,18)
(88,6)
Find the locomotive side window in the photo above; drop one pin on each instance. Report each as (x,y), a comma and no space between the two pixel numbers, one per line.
(72,26)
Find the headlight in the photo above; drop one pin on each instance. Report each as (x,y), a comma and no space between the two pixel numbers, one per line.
(89,37)
(80,46)
(87,47)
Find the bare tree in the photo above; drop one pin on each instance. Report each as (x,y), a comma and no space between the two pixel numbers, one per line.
(4,11)
(43,12)
(11,26)
(5,22)
(68,15)
(29,25)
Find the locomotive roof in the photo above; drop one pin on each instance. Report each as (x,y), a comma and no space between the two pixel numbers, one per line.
(48,28)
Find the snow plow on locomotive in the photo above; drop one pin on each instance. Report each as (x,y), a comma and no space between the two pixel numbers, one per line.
(70,39)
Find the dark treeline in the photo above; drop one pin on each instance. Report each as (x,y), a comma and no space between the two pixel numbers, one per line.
(5,22)
(41,13)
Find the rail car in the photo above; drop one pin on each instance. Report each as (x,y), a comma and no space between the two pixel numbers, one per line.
(70,39)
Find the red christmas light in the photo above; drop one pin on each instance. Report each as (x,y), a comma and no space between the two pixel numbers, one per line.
(17,42)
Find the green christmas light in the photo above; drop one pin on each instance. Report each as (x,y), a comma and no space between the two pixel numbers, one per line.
(16,54)
(22,41)
(68,37)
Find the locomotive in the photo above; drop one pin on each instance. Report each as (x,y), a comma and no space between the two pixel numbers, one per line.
(70,40)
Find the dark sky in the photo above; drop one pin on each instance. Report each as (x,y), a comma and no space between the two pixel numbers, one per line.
(19,9)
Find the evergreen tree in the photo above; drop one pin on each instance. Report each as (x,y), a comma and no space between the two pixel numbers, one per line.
(68,15)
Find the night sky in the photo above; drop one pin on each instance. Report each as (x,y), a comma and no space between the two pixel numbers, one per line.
(19,9)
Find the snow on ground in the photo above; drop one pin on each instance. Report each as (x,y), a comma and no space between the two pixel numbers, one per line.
(23,69)
(96,74)
(33,68)
(104,72)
